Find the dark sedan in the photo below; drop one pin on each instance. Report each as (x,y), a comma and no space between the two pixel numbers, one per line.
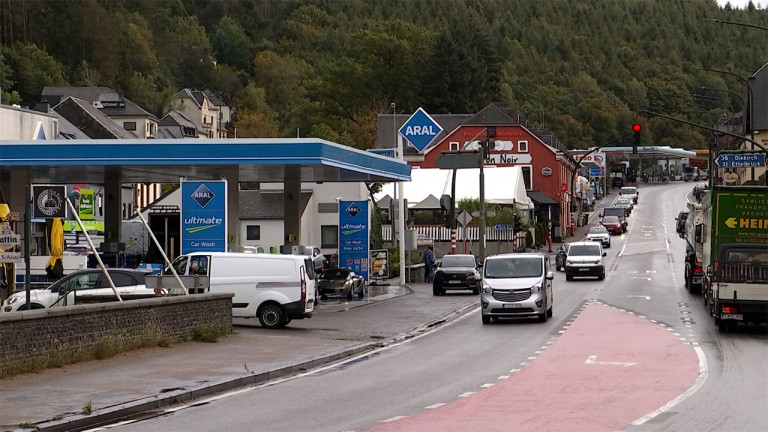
(340,282)
(456,272)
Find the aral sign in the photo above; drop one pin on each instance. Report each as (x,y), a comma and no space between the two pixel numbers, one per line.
(203,216)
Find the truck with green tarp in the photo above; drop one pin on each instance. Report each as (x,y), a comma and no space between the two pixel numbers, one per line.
(734,234)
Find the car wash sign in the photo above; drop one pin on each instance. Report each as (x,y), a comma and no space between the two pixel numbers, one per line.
(354,236)
(420,130)
(204,216)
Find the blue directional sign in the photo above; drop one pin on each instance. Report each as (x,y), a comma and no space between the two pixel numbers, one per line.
(420,129)
(735,160)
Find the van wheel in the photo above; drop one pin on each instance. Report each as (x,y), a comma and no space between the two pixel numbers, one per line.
(271,316)
(549,312)
(486,319)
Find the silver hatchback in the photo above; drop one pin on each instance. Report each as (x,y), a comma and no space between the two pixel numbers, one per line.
(516,285)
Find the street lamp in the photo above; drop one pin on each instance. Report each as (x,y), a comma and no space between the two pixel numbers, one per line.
(741,98)
(723,103)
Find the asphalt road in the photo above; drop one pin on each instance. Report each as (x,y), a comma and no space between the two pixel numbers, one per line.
(634,352)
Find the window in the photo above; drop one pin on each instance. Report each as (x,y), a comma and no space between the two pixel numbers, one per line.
(453,146)
(253,232)
(329,236)
(129,126)
(527,178)
(522,146)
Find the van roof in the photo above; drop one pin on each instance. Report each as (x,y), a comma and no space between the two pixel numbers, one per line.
(249,255)
(517,255)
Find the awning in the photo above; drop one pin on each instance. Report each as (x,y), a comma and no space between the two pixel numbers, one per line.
(539,198)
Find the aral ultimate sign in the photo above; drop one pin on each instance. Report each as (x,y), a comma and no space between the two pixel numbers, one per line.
(203,216)
(354,236)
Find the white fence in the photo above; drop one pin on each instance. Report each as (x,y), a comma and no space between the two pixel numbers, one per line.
(431,234)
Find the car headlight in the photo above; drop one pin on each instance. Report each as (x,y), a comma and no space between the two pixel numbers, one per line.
(599,262)
(568,262)
(12,300)
(487,289)
(536,288)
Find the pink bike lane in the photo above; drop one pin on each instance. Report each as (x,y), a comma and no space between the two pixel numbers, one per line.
(609,368)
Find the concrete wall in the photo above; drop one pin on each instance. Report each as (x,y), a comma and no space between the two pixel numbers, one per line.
(39,339)
(24,124)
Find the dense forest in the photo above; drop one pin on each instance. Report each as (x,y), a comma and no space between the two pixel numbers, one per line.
(326,68)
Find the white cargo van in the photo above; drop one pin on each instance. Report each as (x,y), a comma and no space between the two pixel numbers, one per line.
(275,288)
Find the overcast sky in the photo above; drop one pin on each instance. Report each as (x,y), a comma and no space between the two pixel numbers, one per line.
(741,4)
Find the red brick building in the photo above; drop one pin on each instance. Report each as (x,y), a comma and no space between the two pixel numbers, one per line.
(545,168)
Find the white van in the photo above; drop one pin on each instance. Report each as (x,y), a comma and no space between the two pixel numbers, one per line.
(275,288)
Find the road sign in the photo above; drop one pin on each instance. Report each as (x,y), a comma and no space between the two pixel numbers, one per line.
(743,160)
(420,129)
(463,218)
(10,257)
(458,160)
(503,227)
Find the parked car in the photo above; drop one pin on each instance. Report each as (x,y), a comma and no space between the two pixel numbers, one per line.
(681,218)
(624,203)
(83,286)
(317,257)
(612,224)
(516,285)
(78,249)
(339,282)
(585,259)
(456,272)
(562,253)
(600,234)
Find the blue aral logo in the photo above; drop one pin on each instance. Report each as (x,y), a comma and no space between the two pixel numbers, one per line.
(353,210)
(202,195)
(420,130)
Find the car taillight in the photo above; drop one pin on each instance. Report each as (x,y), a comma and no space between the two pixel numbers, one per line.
(303,273)
(729,309)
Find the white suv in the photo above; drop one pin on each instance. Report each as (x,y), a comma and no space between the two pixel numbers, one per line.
(516,285)
(585,259)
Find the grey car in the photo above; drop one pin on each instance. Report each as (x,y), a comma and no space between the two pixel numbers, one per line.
(516,285)
(339,282)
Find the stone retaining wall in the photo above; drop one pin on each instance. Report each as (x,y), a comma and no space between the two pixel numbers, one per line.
(43,338)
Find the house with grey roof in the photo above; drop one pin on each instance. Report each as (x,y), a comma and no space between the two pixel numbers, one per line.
(124,113)
(197,106)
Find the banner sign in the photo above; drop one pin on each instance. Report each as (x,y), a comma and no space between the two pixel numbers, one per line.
(203,216)
(86,204)
(379,264)
(354,236)
(49,201)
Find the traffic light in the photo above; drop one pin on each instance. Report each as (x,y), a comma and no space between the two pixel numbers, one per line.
(636,128)
(448,219)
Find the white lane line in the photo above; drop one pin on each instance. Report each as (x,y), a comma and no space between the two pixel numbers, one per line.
(486,385)
(437,405)
(391,419)
(466,394)
(503,377)
(703,373)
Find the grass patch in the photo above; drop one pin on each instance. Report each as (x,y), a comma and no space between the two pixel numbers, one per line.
(208,332)
(88,408)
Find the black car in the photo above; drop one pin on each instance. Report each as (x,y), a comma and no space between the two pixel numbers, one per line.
(339,282)
(617,182)
(620,212)
(562,254)
(456,272)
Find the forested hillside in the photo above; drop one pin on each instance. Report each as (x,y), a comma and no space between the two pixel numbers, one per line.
(326,68)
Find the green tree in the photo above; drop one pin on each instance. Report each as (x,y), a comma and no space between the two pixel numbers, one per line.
(33,69)
(231,44)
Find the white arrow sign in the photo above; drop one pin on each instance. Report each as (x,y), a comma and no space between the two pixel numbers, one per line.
(593,360)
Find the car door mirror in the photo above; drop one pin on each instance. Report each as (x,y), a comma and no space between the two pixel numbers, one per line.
(605,254)
(478,277)
(550,275)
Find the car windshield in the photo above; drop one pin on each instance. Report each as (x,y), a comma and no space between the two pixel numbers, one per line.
(622,201)
(513,267)
(628,191)
(598,230)
(584,250)
(611,219)
(335,274)
(458,261)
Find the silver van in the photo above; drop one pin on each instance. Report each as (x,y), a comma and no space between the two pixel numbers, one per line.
(516,285)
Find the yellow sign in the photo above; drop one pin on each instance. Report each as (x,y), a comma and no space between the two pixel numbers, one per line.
(732,222)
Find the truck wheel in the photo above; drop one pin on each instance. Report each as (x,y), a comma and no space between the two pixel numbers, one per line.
(486,319)
(723,326)
(271,316)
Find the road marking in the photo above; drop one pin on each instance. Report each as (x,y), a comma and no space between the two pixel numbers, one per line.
(466,394)
(703,373)
(486,385)
(645,297)
(593,360)
(503,377)
(391,419)
(640,277)
(437,405)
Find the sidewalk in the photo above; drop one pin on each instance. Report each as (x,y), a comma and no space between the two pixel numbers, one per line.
(56,399)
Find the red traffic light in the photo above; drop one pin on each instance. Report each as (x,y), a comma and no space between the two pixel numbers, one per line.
(636,127)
